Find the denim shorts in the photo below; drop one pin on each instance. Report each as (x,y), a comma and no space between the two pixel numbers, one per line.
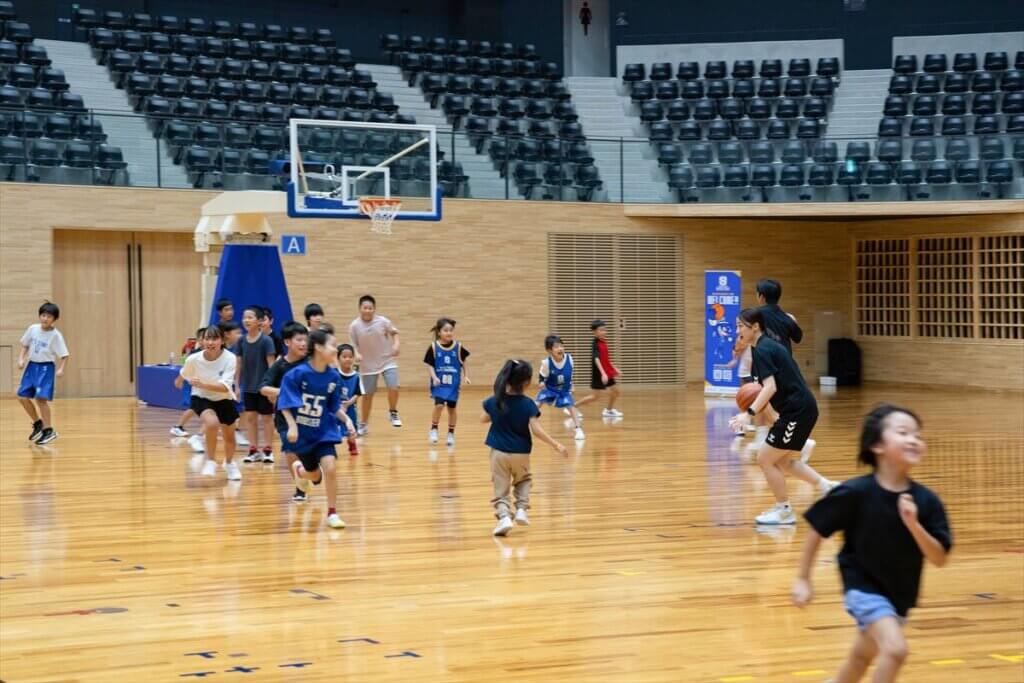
(867,608)
(370,381)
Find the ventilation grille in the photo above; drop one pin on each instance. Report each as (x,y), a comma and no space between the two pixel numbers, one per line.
(883,288)
(964,287)
(633,282)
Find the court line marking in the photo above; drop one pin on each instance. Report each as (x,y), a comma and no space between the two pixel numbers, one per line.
(947,662)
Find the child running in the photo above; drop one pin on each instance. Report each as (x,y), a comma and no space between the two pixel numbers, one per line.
(296,343)
(446,359)
(514,422)
(351,390)
(43,357)
(890,523)
(257,353)
(602,371)
(212,376)
(556,377)
(313,391)
(783,386)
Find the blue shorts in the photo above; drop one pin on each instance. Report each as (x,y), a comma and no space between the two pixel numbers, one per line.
(37,381)
(867,608)
(560,399)
(186,395)
(352,415)
(311,456)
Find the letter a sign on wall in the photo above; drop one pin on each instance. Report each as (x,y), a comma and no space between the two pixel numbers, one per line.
(293,245)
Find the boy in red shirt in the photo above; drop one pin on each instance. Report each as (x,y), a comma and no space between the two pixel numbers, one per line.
(602,371)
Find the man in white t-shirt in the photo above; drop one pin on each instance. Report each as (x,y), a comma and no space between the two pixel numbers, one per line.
(44,352)
(375,339)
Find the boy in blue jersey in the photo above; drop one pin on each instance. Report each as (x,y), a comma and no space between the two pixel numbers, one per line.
(313,392)
(556,379)
(446,359)
(296,342)
(43,358)
(351,390)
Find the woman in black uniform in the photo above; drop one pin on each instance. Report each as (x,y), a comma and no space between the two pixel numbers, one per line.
(783,386)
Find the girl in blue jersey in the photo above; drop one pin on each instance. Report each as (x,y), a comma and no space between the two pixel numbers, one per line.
(446,359)
(313,392)
(556,379)
(351,390)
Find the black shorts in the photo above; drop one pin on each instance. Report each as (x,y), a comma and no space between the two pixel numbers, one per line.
(443,402)
(746,380)
(256,402)
(791,431)
(311,458)
(227,414)
(597,384)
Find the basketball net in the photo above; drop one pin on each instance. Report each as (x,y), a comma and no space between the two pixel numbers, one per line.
(381,211)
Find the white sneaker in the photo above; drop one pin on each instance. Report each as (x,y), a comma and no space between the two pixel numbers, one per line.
(335,521)
(611,412)
(450,439)
(780,514)
(268,457)
(196,443)
(521,518)
(253,457)
(395,420)
(178,431)
(432,436)
(805,452)
(827,485)
(579,436)
(240,439)
(233,472)
(362,430)
(505,525)
(301,483)
(209,469)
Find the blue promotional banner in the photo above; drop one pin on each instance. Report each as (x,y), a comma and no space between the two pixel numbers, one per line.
(721,307)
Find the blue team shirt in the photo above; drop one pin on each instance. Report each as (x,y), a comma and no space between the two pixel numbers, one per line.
(510,428)
(448,368)
(315,398)
(559,379)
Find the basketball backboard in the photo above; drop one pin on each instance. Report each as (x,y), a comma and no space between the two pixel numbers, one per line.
(332,165)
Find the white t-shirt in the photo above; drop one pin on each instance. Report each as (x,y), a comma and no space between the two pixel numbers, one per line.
(220,370)
(373,341)
(545,365)
(44,346)
(746,360)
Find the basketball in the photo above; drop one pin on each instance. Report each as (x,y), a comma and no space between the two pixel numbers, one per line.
(746,395)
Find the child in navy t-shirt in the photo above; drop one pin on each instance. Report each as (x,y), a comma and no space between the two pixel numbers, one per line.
(513,419)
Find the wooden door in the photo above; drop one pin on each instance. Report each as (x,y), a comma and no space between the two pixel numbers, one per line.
(92,288)
(169,278)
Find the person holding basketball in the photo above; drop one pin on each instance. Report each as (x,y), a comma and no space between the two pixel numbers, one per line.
(784,388)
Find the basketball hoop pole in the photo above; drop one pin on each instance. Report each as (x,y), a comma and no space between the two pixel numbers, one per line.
(407,150)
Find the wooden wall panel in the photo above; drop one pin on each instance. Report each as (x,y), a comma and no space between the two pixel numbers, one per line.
(486,266)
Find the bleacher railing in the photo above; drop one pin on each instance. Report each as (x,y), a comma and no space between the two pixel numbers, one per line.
(627,169)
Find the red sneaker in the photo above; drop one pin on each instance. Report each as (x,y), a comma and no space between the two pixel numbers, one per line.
(353,449)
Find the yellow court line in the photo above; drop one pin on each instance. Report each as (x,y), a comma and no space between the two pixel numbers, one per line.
(736,679)
(810,672)
(947,662)
(1013,659)
(629,572)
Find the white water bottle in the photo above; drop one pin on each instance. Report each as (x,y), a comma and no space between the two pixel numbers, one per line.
(170,359)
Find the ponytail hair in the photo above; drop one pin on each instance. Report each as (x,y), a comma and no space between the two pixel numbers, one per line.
(316,337)
(441,322)
(752,316)
(514,375)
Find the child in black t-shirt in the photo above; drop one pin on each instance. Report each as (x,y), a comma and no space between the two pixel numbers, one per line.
(889,523)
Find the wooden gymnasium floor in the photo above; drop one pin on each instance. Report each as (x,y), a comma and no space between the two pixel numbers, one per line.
(642,564)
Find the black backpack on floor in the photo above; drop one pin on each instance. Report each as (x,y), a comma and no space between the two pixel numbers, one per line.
(844,361)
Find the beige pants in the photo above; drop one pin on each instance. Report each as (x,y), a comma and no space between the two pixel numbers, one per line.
(510,470)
